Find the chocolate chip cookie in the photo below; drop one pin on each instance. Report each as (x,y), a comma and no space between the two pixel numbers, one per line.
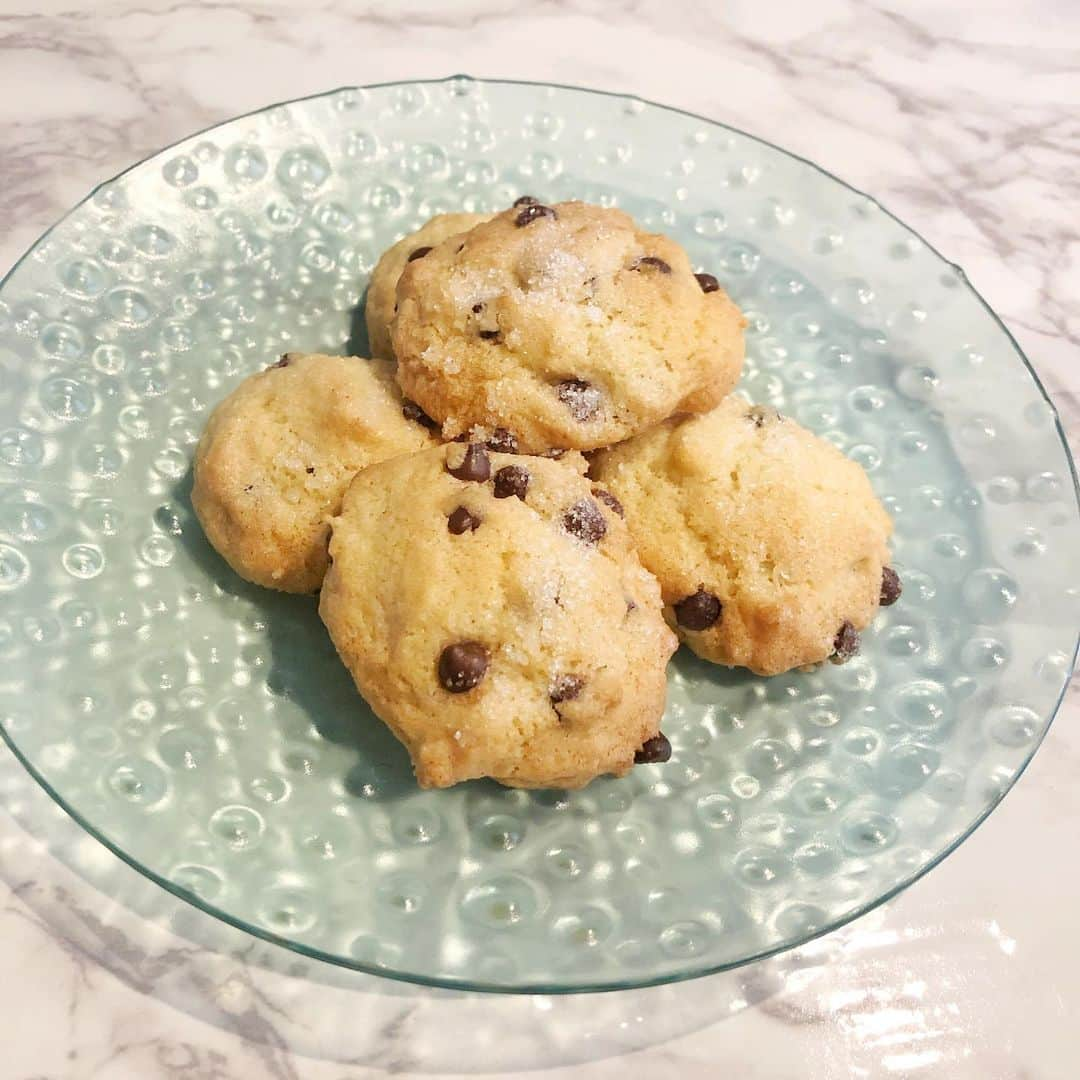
(493,613)
(769,544)
(379,306)
(567,325)
(278,453)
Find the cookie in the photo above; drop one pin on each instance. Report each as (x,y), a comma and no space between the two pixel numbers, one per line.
(567,325)
(493,613)
(278,453)
(379,305)
(769,544)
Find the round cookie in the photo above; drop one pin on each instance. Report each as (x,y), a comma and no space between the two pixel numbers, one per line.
(379,305)
(567,325)
(769,544)
(493,613)
(278,453)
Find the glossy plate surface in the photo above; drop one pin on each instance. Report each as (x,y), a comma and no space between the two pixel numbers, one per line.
(204,728)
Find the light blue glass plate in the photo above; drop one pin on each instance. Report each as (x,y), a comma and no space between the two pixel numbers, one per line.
(204,730)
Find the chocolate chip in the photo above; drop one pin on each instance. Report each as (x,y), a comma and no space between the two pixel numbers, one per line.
(533,212)
(707,282)
(419,253)
(488,335)
(580,397)
(609,500)
(310,470)
(511,480)
(890,586)
(411,411)
(653,751)
(282,362)
(653,263)
(475,465)
(566,688)
(502,441)
(698,611)
(462,521)
(631,605)
(845,644)
(526,200)
(462,666)
(477,308)
(586,521)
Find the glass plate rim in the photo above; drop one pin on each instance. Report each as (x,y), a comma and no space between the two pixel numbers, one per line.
(600,986)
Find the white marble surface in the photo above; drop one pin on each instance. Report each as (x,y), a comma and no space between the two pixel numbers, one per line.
(960,119)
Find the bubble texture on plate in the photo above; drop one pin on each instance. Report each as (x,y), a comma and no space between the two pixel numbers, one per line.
(205,729)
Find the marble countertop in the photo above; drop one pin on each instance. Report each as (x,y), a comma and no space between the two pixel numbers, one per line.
(964,126)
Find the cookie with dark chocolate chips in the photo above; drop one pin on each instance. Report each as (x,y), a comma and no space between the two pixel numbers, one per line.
(770,545)
(480,601)
(566,324)
(278,453)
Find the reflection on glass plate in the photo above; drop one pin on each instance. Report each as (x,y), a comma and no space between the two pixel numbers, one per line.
(204,728)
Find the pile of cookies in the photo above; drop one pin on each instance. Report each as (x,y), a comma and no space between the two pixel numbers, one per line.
(540,485)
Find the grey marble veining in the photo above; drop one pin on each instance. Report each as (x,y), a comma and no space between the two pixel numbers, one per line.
(963,122)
